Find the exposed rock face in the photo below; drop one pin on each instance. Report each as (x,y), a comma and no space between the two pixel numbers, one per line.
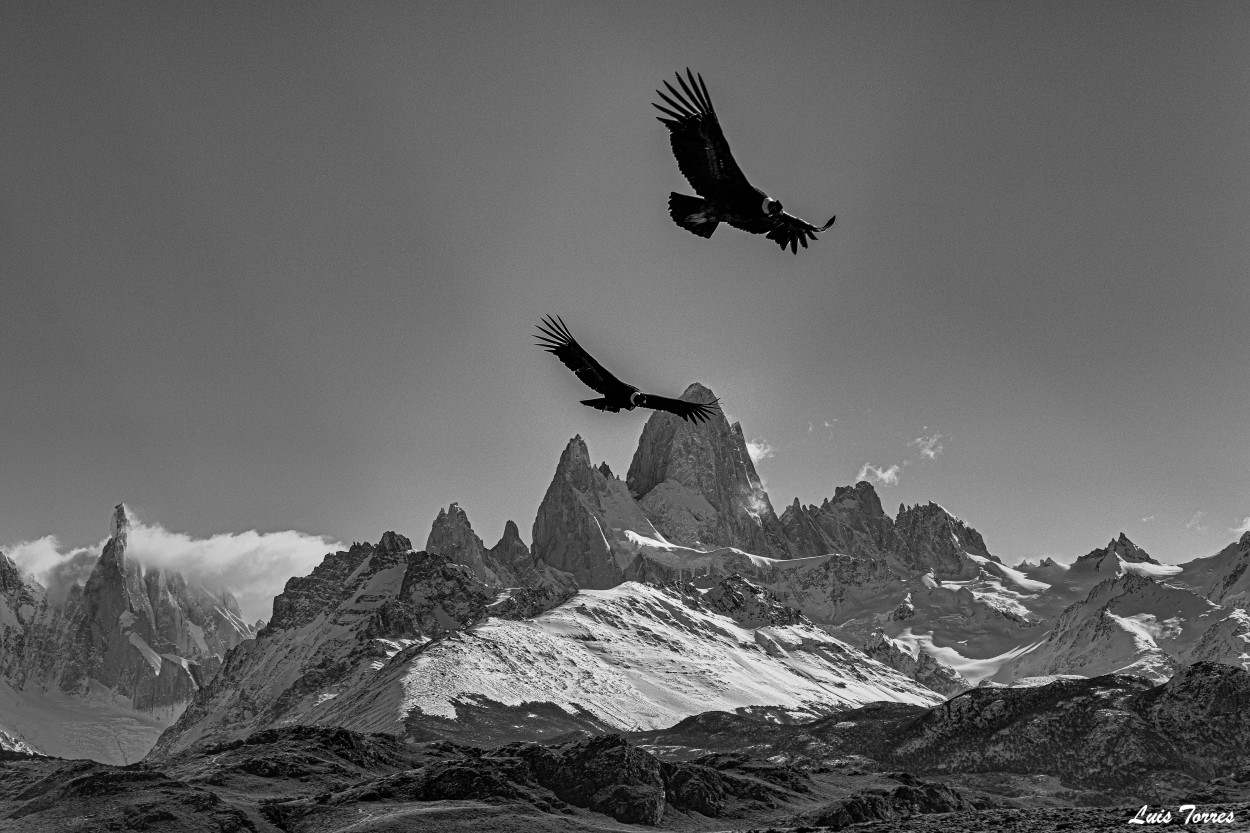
(527,586)
(583,519)
(144,633)
(20,600)
(749,604)
(1119,549)
(329,630)
(924,668)
(698,486)
(851,522)
(452,536)
(938,541)
(510,555)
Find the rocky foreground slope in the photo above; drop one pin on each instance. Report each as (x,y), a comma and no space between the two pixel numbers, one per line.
(1072,755)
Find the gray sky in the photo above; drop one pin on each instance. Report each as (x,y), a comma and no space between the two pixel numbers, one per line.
(278,266)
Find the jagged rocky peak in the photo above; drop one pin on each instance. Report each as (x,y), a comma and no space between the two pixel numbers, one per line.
(509,565)
(141,636)
(934,539)
(10,575)
(1122,547)
(387,587)
(452,535)
(119,525)
(582,523)
(852,522)
(330,629)
(697,484)
(340,575)
(114,555)
(393,542)
(510,550)
(855,502)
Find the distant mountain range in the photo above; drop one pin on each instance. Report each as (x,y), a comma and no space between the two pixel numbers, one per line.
(639,603)
(101,671)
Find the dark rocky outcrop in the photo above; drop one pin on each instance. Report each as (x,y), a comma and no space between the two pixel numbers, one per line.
(911,798)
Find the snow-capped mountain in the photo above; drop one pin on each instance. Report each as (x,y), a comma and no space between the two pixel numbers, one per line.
(387,639)
(643,600)
(102,671)
(1223,578)
(1141,617)
(330,630)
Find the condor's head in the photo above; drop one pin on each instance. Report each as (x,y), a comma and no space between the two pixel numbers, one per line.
(771,206)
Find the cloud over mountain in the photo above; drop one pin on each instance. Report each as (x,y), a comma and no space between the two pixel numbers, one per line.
(252,565)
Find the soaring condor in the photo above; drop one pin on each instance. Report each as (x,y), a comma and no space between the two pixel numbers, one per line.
(555,338)
(705,160)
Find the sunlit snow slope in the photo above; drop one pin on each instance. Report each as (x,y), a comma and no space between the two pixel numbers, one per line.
(633,657)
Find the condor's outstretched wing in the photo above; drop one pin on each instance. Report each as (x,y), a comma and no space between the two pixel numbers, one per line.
(785,229)
(689,411)
(699,144)
(555,338)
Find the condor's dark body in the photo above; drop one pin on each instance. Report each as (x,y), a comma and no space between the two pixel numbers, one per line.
(617,396)
(703,155)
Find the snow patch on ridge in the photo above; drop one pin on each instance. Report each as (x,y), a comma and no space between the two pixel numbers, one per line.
(637,657)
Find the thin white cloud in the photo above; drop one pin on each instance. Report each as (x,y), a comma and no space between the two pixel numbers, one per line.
(252,566)
(1242,527)
(1195,522)
(886,477)
(1148,519)
(930,446)
(759,449)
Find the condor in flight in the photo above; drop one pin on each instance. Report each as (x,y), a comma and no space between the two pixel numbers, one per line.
(704,159)
(555,338)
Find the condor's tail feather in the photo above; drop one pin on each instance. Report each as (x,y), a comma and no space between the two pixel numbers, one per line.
(603,404)
(691,214)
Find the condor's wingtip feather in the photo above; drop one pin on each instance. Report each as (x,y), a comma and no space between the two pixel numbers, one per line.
(681,103)
(554,334)
(707,99)
(700,91)
(685,88)
(676,117)
(826,226)
(683,109)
